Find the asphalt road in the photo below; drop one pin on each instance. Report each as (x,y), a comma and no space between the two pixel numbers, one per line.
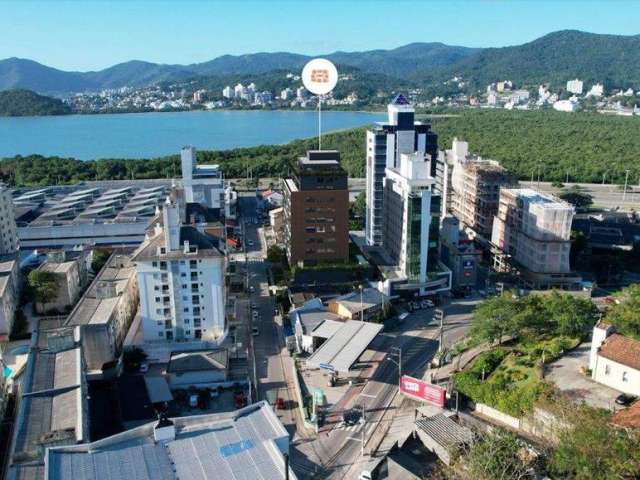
(265,348)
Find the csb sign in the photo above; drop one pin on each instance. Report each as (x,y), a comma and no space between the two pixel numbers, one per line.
(421,390)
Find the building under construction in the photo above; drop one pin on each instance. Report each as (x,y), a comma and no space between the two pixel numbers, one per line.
(531,236)
(471,186)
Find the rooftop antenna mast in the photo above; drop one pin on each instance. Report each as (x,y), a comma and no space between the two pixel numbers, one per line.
(319,77)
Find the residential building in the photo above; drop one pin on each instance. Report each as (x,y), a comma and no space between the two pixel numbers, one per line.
(181,278)
(70,272)
(301,93)
(313,326)
(239,90)
(247,443)
(9,294)
(52,401)
(614,360)
(570,105)
(366,304)
(276,220)
(520,96)
(199,368)
(286,94)
(204,184)
(532,234)
(459,253)
(597,90)
(8,230)
(316,210)
(105,313)
(385,143)
(410,234)
(574,86)
(228,92)
(471,190)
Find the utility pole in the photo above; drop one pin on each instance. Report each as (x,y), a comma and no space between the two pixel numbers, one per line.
(439,315)
(361,304)
(626,181)
(398,352)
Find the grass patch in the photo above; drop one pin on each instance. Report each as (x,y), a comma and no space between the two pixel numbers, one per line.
(510,378)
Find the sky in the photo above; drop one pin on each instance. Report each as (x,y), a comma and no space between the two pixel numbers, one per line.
(91,35)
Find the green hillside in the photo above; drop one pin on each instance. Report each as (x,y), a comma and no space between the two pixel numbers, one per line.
(21,103)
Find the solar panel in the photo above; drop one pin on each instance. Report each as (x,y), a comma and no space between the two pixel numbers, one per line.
(234,448)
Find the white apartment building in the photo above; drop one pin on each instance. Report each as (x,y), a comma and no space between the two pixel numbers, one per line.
(228,92)
(386,142)
(205,184)
(570,105)
(597,90)
(286,94)
(181,282)
(614,360)
(9,294)
(574,86)
(8,230)
(534,229)
(239,90)
(410,230)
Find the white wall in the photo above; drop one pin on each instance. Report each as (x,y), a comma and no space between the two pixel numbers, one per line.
(612,374)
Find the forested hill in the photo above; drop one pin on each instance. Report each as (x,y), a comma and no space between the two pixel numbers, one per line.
(20,103)
(585,146)
(555,58)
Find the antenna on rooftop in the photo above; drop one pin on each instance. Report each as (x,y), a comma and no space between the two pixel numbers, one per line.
(319,76)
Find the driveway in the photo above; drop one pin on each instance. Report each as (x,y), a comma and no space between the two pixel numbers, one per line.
(566,374)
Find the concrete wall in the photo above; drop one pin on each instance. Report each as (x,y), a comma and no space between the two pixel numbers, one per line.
(612,374)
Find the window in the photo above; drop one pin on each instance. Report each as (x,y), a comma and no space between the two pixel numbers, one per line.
(198,334)
(183,274)
(154,264)
(156,288)
(193,264)
(185,286)
(185,309)
(159,324)
(195,300)
(607,369)
(187,332)
(197,322)
(161,334)
(625,377)
(186,321)
(157,299)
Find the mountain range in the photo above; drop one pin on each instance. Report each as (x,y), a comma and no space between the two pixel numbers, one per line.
(554,58)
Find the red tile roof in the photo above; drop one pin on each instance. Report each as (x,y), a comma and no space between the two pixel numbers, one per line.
(621,349)
(629,417)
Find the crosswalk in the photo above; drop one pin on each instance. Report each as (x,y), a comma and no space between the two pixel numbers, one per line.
(354,428)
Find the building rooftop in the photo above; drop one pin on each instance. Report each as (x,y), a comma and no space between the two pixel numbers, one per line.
(628,417)
(621,349)
(53,406)
(202,244)
(545,200)
(245,444)
(198,360)
(311,319)
(353,302)
(101,298)
(346,345)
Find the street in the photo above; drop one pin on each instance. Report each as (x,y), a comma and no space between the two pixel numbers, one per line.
(336,451)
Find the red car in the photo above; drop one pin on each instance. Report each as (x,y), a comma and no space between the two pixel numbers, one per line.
(279,403)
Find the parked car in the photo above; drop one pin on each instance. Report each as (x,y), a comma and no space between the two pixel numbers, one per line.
(625,399)
(144,367)
(255,332)
(250,243)
(193,400)
(253,305)
(255,314)
(279,403)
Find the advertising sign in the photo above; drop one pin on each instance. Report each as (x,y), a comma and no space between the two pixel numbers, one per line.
(421,390)
(467,264)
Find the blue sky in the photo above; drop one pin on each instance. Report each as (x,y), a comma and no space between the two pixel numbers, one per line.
(90,35)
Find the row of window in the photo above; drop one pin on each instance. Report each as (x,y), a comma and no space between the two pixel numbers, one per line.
(163,264)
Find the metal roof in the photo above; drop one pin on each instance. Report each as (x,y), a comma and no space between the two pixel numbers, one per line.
(346,345)
(444,431)
(246,444)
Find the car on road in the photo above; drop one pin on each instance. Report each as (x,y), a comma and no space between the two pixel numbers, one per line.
(254,305)
(250,243)
(427,304)
(255,314)
(625,399)
(279,403)
(255,332)
(252,289)
(351,417)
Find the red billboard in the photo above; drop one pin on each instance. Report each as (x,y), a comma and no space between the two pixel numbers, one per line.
(421,390)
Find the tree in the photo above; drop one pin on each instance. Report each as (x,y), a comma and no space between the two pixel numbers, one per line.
(589,447)
(44,285)
(100,257)
(132,357)
(276,254)
(569,315)
(357,212)
(493,318)
(499,455)
(626,314)
(577,198)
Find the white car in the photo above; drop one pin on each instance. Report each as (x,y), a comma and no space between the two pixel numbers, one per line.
(255,314)
(250,243)
(254,306)
(255,332)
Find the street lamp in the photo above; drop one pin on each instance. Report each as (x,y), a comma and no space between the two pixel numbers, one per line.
(398,352)
(361,303)
(362,430)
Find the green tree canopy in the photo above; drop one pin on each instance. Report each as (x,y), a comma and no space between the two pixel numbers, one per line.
(626,314)
(44,285)
(499,455)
